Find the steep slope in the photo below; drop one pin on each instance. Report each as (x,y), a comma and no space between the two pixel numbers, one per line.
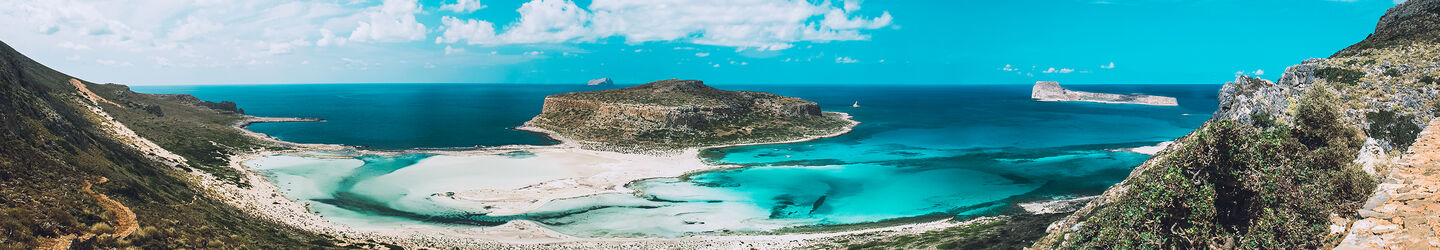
(58,133)
(677,114)
(1282,164)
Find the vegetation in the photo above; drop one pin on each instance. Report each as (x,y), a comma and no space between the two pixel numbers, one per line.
(672,115)
(1012,232)
(191,128)
(1231,185)
(51,144)
(1340,75)
(1398,129)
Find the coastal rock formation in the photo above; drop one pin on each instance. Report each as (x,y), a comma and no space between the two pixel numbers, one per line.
(678,114)
(1414,21)
(1327,133)
(603,82)
(1046,91)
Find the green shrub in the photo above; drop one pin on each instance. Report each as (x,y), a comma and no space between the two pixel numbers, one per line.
(1398,129)
(1232,185)
(1392,72)
(1262,120)
(1340,75)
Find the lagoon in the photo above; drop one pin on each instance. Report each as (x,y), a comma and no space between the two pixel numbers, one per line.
(921,151)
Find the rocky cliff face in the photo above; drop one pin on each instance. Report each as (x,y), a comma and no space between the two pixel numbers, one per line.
(674,114)
(1410,22)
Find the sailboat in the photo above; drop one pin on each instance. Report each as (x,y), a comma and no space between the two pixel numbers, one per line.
(856,105)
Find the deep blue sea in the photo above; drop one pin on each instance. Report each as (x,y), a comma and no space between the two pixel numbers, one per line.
(920,150)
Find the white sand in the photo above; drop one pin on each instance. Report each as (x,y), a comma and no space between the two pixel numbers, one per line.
(487,177)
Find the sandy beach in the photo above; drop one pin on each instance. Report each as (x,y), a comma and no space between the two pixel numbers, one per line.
(557,172)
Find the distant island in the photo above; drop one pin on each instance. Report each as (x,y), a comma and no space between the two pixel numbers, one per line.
(1047,91)
(603,82)
(672,115)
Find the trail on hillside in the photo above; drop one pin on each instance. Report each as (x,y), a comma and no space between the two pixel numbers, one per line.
(125,222)
(1404,212)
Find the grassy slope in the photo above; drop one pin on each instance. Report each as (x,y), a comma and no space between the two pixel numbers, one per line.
(49,146)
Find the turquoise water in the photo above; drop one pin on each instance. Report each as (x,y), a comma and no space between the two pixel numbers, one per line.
(921,151)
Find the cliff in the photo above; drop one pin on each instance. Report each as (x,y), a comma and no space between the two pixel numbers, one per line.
(672,114)
(59,135)
(1284,164)
(1052,92)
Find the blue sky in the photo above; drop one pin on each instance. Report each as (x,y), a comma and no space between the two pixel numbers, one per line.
(152,42)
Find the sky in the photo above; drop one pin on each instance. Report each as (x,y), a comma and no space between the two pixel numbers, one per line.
(170,42)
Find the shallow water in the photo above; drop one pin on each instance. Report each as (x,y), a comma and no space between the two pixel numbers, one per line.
(921,150)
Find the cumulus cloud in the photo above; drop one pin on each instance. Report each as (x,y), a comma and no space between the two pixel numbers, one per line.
(1010,68)
(845,60)
(471,31)
(702,54)
(392,21)
(1108,66)
(757,24)
(463,6)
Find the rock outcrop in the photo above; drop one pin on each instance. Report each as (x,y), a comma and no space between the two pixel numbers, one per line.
(1409,22)
(1377,88)
(677,114)
(1052,92)
(603,82)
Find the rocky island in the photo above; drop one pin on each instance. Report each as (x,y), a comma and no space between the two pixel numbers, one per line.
(1047,91)
(673,115)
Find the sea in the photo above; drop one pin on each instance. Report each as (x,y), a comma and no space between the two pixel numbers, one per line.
(921,152)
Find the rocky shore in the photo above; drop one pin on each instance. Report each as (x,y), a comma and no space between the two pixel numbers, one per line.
(1052,92)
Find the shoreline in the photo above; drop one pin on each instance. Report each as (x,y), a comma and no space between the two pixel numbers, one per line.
(265,199)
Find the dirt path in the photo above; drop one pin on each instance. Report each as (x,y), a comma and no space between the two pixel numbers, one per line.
(125,222)
(1404,212)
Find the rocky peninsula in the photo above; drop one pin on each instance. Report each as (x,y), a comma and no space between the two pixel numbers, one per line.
(1047,91)
(673,115)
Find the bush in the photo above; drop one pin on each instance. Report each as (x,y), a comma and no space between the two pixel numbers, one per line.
(1232,185)
(1398,129)
(1392,72)
(1340,75)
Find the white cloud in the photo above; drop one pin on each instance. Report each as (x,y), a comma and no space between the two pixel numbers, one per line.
(392,21)
(471,31)
(845,60)
(192,27)
(1058,71)
(744,24)
(534,53)
(451,51)
(702,54)
(463,6)
(328,38)
(1108,66)
(1259,72)
(1010,68)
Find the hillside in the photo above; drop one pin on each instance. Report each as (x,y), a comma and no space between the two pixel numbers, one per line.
(1284,164)
(671,115)
(80,161)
